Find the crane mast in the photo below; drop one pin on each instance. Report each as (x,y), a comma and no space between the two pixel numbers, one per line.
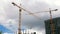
(19,24)
(52,24)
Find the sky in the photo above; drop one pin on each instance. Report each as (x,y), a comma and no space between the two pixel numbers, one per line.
(4,29)
(9,14)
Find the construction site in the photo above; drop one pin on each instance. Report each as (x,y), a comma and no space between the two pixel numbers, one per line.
(51,23)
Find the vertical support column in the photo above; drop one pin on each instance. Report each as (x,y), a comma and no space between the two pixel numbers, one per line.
(52,24)
(19,24)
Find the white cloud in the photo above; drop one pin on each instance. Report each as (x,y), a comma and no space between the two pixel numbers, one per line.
(8,33)
(53,2)
(50,2)
(9,13)
(34,30)
(11,24)
(3,16)
(57,2)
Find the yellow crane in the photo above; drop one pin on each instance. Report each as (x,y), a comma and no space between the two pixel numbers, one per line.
(52,26)
(20,10)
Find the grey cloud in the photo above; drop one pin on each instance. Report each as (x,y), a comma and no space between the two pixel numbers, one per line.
(40,6)
(29,21)
(11,11)
(33,23)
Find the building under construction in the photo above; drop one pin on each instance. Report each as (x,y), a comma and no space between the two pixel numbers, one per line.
(56,22)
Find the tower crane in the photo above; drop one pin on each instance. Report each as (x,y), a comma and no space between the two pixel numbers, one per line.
(50,12)
(51,21)
(20,10)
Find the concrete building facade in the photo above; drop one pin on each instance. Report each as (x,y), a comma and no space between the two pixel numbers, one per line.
(56,22)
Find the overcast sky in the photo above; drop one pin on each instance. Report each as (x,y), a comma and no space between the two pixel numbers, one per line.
(9,14)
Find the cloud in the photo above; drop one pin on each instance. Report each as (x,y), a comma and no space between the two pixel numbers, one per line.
(39,6)
(36,7)
(12,16)
(7,33)
(9,13)
(57,2)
